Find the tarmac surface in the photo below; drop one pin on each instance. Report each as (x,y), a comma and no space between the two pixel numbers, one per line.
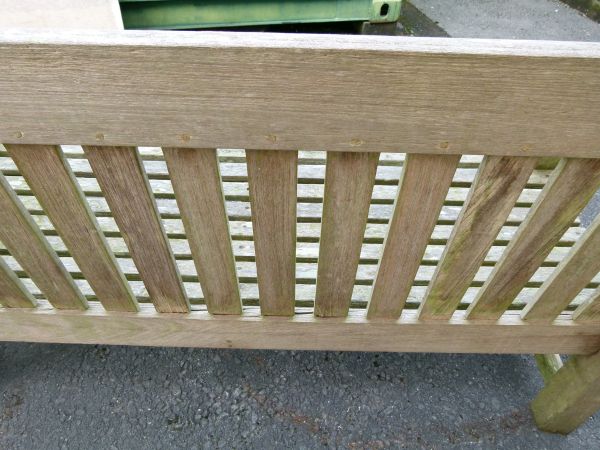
(88,397)
(512,19)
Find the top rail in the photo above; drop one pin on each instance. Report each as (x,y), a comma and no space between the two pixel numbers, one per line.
(283,92)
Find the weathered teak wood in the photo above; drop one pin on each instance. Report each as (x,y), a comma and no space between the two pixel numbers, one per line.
(193,92)
(568,279)
(495,190)
(52,181)
(272,180)
(589,311)
(495,97)
(349,183)
(197,183)
(301,332)
(570,397)
(123,181)
(423,187)
(573,183)
(548,365)
(12,292)
(27,245)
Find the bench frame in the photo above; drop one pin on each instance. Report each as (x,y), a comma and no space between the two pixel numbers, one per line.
(191,93)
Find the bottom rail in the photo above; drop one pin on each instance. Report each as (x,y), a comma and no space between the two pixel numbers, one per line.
(302,332)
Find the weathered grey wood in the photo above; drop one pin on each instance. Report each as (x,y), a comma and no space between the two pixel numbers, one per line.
(348,187)
(571,396)
(568,279)
(123,181)
(548,365)
(272,179)
(495,190)
(589,311)
(571,186)
(52,181)
(301,332)
(423,186)
(27,245)
(197,183)
(12,292)
(518,95)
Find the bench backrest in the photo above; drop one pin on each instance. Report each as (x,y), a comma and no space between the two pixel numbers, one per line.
(376,179)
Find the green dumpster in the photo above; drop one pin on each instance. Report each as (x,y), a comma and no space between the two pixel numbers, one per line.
(194,14)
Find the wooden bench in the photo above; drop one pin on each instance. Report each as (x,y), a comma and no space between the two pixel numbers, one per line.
(386,200)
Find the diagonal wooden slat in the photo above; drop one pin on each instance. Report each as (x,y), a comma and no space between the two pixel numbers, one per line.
(121,176)
(349,181)
(13,294)
(196,181)
(569,189)
(52,181)
(272,180)
(423,186)
(27,245)
(568,279)
(589,310)
(495,190)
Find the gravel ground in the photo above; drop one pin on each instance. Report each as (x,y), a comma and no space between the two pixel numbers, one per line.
(82,397)
(87,397)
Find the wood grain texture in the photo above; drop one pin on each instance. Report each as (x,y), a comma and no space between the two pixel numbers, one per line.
(349,181)
(272,182)
(206,87)
(52,181)
(25,242)
(570,397)
(13,294)
(495,190)
(302,332)
(571,276)
(589,310)
(569,189)
(196,181)
(423,186)
(123,181)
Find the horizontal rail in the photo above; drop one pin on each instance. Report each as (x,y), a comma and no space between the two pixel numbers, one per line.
(301,332)
(284,92)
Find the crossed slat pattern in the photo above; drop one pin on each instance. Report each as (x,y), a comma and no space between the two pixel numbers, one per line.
(25,242)
(495,190)
(423,187)
(121,176)
(13,294)
(273,178)
(572,185)
(53,183)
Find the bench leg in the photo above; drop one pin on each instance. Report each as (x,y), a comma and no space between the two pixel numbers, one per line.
(548,365)
(570,396)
